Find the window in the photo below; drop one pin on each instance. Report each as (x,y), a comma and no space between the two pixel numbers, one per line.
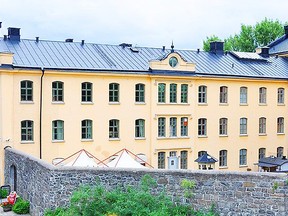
(26,90)
(223,158)
(243,157)
(173,93)
(200,153)
(202,126)
(161,93)
(140,128)
(161,160)
(280,151)
(262,95)
(173,127)
(243,126)
(243,95)
(223,94)
(86,127)
(172,154)
(184,93)
(280,125)
(202,94)
(280,96)
(86,92)
(27,130)
(262,153)
(114,128)
(184,126)
(183,159)
(140,93)
(58,130)
(161,127)
(57,91)
(113,92)
(262,125)
(223,122)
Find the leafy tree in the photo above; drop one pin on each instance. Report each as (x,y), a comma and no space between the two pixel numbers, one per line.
(250,37)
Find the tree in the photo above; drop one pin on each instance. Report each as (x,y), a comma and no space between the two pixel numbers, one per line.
(250,37)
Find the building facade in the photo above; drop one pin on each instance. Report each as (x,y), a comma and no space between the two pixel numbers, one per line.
(171,105)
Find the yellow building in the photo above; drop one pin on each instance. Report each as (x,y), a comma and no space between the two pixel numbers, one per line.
(171,105)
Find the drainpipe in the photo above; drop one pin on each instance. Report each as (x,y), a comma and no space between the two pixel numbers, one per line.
(41,101)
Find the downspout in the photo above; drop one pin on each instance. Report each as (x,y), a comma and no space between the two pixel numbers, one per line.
(41,101)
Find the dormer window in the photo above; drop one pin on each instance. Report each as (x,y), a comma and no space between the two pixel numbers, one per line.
(173,62)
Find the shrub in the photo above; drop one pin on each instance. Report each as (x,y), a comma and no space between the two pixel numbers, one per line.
(3,193)
(21,206)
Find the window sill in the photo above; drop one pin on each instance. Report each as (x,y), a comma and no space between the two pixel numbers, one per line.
(171,138)
(262,134)
(280,104)
(58,102)
(171,104)
(87,140)
(114,139)
(223,104)
(243,135)
(243,104)
(27,142)
(87,103)
(202,136)
(140,103)
(140,138)
(202,104)
(223,167)
(114,103)
(223,135)
(243,166)
(262,104)
(26,102)
(280,134)
(58,141)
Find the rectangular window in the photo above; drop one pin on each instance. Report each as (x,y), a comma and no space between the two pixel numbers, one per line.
(58,130)
(86,92)
(173,127)
(26,90)
(223,158)
(223,122)
(114,128)
(280,96)
(57,91)
(280,152)
(161,127)
(184,126)
(202,94)
(243,157)
(161,160)
(202,126)
(113,92)
(183,159)
(184,93)
(262,153)
(161,93)
(140,128)
(262,125)
(173,93)
(243,126)
(86,129)
(280,125)
(27,130)
(223,94)
(262,95)
(243,95)
(140,93)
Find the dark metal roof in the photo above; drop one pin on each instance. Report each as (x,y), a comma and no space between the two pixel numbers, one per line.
(206,158)
(272,161)
(279,46)
(100,57)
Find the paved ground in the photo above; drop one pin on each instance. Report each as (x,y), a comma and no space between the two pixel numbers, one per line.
(10,213)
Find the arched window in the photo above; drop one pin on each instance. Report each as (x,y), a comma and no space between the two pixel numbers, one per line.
(140,128)
(223,94)
(243,157)
(223,158)
(262,153)
(280,96)
(243,95)
(262,125)
(58,130)
(262,95)
(223,126)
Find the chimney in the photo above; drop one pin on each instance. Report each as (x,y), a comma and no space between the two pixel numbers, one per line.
(14,34)
(217,47)
(82,42)
(263,51)
(37,39)
(286,30)
(0,24)
(69,40)
(5,37)
(163,48)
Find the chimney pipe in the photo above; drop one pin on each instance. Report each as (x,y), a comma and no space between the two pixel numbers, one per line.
(163,48)
(82,42)
(0,24)
(37,39)
(14,34)
(5,37)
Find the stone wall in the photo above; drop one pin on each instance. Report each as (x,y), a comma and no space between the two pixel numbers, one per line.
(233,193)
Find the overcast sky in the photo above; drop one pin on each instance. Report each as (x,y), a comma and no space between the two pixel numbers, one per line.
(143,23)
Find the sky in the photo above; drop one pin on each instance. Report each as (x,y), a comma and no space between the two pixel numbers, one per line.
(143,23)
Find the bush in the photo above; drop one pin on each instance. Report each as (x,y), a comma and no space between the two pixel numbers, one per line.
(21,206)
(3,193)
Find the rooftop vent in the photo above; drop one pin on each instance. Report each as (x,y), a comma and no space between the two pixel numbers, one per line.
(82,42)
(134,49)
(286,30)
(69,40)
(37,39)
(217,47)
(14,34)
(0,24)
(263,51)
(123,45)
